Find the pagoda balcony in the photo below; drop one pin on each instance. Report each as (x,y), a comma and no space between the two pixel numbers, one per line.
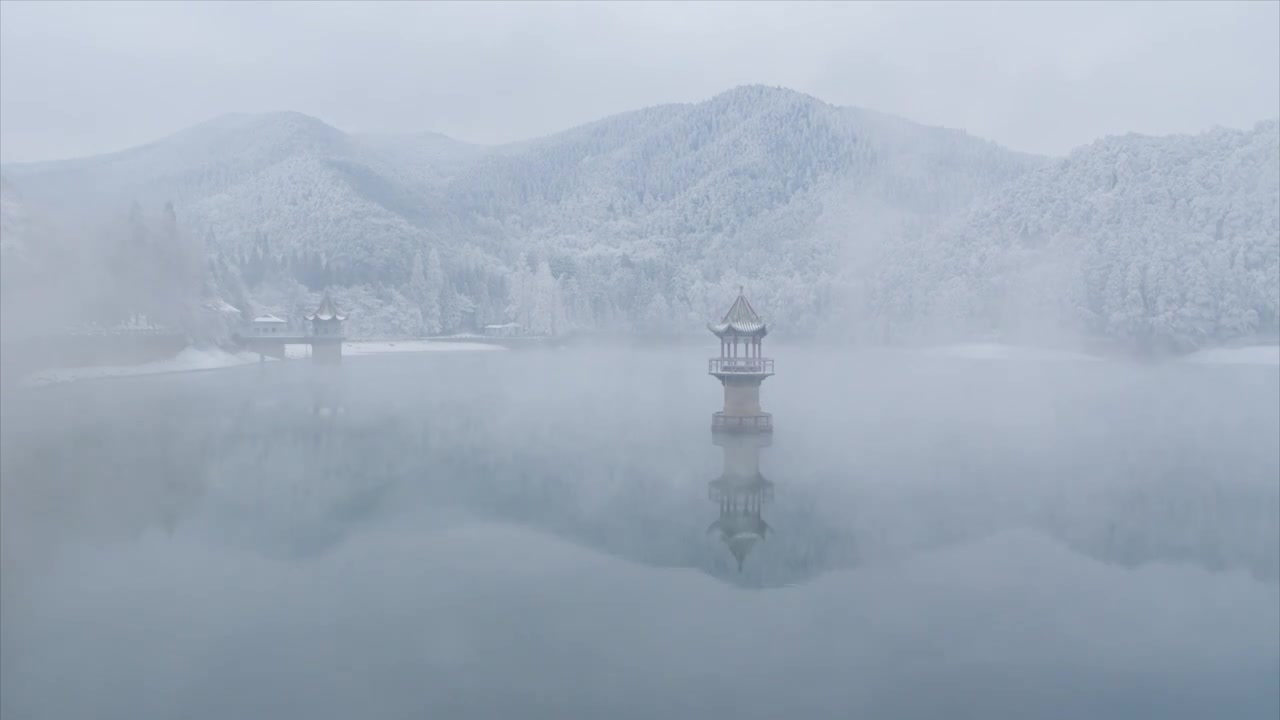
(740,366)
(759,423)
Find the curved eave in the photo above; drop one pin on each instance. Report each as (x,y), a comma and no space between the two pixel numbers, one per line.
(739,329)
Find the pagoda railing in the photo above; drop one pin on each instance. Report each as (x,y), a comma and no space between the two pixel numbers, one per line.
(741,366)
(762,422)
(718,490)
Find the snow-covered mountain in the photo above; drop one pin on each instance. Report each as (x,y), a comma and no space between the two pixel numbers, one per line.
(1158,242)
(286,177)
(648,220)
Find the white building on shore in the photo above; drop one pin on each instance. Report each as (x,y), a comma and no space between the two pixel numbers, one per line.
(267,326)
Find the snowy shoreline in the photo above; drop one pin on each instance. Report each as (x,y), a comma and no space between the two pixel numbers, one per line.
(383,347)
(1246,355)
(196,360)
(1242,355)
(188,360)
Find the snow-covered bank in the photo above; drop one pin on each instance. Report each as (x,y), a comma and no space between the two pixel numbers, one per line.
(192,359)
(357,348)
(1249,355)
(371,347)
(1001,351)
(189,360)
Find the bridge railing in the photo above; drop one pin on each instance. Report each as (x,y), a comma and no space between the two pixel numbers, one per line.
(744,366)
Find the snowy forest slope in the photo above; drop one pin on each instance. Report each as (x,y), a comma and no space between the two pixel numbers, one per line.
(833,217)
(1162,243)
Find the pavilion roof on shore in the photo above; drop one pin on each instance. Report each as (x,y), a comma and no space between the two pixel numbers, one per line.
(327,311)
(741,319)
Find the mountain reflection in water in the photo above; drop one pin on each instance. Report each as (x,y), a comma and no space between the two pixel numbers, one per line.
(609,449)
(918,508)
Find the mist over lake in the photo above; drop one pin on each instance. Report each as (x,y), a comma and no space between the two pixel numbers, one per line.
(1009,532)
(355,364)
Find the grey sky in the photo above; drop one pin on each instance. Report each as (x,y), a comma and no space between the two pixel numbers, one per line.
(83,78)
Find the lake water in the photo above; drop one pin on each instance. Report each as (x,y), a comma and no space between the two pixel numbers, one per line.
(527,534)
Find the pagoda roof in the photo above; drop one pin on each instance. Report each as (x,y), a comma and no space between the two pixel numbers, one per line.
(741,319)
(327,311)
(268,319)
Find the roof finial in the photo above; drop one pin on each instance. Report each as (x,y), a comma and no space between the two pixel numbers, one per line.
(742,290)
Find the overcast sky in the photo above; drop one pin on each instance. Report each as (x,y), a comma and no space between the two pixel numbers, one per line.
(84,78)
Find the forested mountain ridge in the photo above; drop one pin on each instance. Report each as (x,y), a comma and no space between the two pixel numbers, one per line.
(283,180)
(838,219)
(715,168)
(1161,243)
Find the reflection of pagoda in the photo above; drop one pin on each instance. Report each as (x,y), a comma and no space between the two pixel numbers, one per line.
(326,398)
(740,499)
(741,429)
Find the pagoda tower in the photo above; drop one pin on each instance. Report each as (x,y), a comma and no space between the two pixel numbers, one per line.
(741,429)
(326,332)
(741,368)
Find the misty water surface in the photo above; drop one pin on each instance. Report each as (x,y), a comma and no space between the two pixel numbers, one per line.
(467,534)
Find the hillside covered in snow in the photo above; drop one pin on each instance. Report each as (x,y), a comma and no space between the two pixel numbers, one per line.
(1168,243)
(838,220)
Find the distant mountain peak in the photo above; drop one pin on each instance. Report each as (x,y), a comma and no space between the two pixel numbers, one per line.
(282,117)
(272,124)
(759,90)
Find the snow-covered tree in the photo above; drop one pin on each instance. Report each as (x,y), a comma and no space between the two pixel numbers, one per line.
(450,308)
